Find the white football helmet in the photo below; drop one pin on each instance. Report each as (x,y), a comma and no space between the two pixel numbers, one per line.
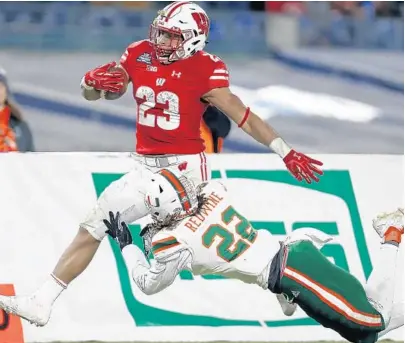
(179,31)
(170,196)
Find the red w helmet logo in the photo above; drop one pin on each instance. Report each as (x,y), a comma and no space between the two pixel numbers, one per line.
(202,21)
(183,166)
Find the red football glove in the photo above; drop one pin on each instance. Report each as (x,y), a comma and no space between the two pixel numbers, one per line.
(302,166)
(102,79)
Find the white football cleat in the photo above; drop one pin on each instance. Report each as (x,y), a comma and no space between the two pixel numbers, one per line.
(287,307)
(26,307)
(384,221)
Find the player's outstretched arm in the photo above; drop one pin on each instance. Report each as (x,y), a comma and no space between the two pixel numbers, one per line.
(154,279)
(301,166)
(168,261)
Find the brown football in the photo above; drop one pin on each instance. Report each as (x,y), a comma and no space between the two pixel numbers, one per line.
(111,95)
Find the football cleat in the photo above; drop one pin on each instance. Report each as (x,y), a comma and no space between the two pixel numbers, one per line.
(390,226)
(26,307)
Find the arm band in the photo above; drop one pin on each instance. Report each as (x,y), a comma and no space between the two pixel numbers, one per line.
(245,117)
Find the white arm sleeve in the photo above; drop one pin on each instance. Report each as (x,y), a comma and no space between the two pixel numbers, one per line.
(155,278)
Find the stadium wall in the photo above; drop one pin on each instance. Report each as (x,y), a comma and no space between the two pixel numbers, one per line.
(45,195)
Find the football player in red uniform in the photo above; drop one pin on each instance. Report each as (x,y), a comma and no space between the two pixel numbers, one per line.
(173,81)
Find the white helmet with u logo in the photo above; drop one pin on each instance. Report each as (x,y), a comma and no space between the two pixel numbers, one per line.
(170,196)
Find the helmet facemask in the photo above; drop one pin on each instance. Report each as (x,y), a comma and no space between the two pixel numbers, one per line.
(169,43)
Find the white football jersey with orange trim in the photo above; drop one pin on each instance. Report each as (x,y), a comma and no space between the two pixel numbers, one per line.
(221,241)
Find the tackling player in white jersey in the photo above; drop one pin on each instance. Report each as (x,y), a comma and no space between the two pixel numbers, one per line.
(198,229)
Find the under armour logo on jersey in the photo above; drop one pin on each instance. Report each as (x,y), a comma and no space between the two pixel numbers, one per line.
(182,166)
(176,74)
(160,81)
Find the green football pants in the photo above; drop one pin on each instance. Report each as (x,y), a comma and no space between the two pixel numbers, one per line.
(329,294)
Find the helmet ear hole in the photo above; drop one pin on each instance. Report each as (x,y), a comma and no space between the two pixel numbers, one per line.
(160,189)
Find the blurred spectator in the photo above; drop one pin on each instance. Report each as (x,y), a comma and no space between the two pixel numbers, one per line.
(359,24)
(257,6)
(215,127)
(388,8)
(15,134)
(226,5)
(346,8)
(126,4)
(8,140)
(286,7)
(368,9)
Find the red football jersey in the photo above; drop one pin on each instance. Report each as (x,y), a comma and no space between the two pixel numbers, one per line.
(169,102)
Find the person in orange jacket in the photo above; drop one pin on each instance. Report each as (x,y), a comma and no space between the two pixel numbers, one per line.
(8,140)
(215,127)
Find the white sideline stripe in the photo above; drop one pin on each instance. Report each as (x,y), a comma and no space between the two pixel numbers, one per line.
(334,300)
(269,101)
(99,105)
(219,78)
(221,71)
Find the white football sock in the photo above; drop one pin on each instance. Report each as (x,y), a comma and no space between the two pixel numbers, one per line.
(380,285)
(50,290)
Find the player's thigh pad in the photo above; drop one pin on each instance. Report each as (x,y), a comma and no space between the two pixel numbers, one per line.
(195,166)
(327,293)
(125,195)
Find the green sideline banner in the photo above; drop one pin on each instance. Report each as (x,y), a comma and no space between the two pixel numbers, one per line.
(44,196)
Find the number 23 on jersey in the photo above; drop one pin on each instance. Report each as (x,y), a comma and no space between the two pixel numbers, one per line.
(148,111)
(161,109)
(234,239)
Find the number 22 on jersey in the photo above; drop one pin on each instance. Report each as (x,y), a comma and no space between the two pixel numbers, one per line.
(235,240)
(161,109)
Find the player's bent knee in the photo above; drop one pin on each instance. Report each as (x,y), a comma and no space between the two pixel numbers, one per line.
(96,230)
(93,224)
(123,195)
(108,200)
